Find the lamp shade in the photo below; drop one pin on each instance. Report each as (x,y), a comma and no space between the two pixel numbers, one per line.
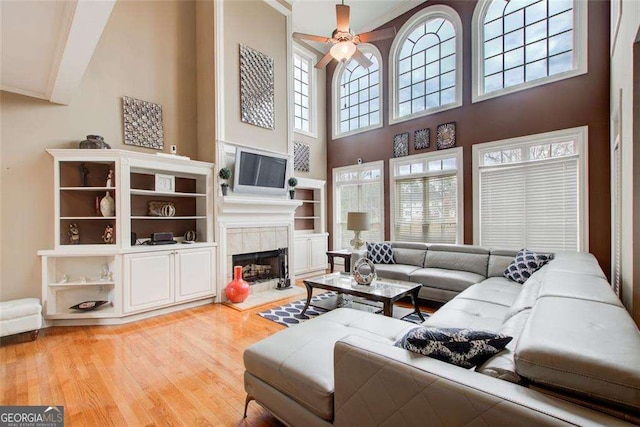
(358,221)
(343,51)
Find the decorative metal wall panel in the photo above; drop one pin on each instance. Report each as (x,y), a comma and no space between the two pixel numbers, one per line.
(301,156)
(446,136)
(422,139)
(256,88)
(401,145)
(142,123)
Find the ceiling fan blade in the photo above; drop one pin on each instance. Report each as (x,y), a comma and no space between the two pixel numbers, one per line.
(362,60)
(342,18)
(311,37)
(385,33)
(324,61)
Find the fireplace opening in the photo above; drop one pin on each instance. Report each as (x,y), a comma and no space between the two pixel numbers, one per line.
(263,266)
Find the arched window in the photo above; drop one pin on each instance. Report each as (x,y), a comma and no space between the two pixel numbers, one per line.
(357,95)
(426,58)
(523,43)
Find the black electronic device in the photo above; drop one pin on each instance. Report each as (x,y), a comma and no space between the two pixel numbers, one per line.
(134,238)
(164,238)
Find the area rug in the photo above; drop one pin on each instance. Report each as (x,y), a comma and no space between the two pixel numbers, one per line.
(291,314)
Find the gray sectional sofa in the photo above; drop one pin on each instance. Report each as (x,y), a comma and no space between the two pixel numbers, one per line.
(574,358)
(443,270)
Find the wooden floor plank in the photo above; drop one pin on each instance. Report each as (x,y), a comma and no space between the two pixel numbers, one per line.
(182,368)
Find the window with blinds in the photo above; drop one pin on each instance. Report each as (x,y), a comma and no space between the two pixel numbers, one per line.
(529,192)
(426,199)
(358,189)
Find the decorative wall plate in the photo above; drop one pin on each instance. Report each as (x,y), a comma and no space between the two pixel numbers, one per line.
(88,305)
(142,123)
(256,88)
(401,145)
(446,136)
(301,156)
(422,139)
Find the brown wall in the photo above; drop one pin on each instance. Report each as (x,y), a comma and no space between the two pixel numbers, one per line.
(578,101)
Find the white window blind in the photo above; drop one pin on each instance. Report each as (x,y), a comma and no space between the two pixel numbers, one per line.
(531,192)
(530,205)
(358,189)
(426,200)
(426,209)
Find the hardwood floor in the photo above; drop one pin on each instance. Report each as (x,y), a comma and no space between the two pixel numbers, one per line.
(183,368)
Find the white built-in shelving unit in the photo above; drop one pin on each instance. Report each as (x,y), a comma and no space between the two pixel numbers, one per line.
(141,279)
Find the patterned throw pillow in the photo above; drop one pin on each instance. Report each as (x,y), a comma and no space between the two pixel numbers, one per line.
(380,253)
(525,264)
(461,347)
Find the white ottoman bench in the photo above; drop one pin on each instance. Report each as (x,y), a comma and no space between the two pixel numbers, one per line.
(20,315)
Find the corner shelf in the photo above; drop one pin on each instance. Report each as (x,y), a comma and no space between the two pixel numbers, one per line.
(137,192)
(87,283)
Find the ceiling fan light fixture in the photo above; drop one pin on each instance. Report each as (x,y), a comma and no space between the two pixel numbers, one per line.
(342,51)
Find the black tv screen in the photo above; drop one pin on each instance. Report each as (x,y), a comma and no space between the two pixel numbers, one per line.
(262,171)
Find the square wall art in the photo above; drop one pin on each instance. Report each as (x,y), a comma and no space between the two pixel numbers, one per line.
(401,145)
(446,136)
(256,88)
(421,139)
(142,123)
(301,155)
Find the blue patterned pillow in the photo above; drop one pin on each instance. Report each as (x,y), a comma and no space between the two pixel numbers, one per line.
(525,264)
(380,253)
(461,347)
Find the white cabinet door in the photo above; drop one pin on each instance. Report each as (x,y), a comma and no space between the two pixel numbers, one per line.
(318,253)
(195,273)
(301,255)
(148,281)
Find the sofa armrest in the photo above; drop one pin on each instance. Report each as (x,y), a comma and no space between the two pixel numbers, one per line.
(377,383)
(356,255)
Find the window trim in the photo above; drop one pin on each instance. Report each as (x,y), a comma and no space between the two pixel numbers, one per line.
(436,11)
(313,90)
(395,163)
(581,137)
(335,92)
(334,195)
(580,32)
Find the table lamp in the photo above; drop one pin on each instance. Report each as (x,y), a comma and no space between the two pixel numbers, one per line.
(357,222)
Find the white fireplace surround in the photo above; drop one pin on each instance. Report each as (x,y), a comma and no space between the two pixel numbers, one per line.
(252,224)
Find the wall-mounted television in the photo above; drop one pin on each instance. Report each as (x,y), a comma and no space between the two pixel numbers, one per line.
(260,173)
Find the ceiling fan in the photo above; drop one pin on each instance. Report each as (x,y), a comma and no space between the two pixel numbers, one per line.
(345,42)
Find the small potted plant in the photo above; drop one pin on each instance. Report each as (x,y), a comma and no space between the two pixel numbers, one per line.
(292,186)
(224,174)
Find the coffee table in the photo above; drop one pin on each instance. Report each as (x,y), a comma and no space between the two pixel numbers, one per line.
(385,291)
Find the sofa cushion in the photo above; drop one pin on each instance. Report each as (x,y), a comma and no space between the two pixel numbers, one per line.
(461,347)
(496,290)
(284,360)
(468,313)
(380,253)
(499,260)
(394,271)
(576,285)
(587,347)
(472,259)
(441,278)
(526,298)
(413,257)
(525,264)
(503,364)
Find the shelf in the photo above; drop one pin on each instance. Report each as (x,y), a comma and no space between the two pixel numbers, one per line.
(307,217)
(168,217)
(309,201)
(107,310)
(87,188)
(86,217)
(87,283)
(165,193)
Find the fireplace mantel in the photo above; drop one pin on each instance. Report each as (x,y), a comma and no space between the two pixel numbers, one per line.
(257,205)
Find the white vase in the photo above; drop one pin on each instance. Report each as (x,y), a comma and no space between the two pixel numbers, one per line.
(107,205)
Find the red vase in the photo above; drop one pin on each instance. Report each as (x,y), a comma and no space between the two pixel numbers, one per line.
(237,290)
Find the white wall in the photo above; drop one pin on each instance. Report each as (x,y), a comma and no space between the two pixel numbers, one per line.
(622,78)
